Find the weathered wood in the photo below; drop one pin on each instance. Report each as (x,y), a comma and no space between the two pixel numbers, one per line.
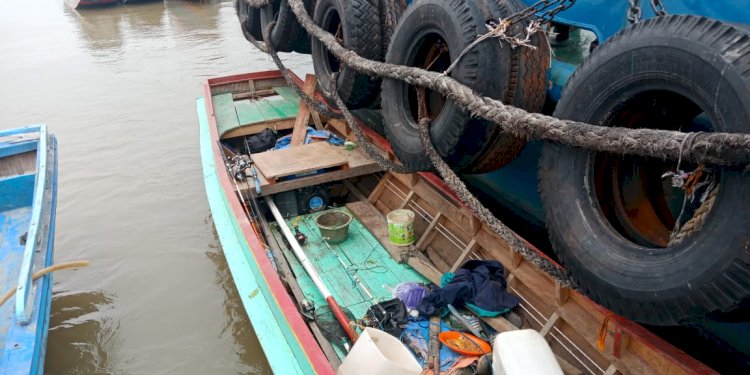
(253,94)
(248,112)
(375,222)
(18,164)
(257,128)
(354,190)
(375,194)
(407,200)
(469,248)
(561,294)
(287,93)
(340,127)
(303,114)
(359,165)
(293,161)
(426,235)
(226,116)
(550,323)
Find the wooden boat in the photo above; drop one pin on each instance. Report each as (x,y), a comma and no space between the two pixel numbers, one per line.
(278,287)
(28,193)
(76,4)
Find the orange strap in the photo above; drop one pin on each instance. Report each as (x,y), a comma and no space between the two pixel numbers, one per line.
(600,341)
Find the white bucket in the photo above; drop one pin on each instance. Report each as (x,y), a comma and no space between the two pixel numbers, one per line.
(378,353)
(523,352)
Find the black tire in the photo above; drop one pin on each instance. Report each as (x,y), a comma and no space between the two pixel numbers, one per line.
(608,220)
(287,35)
(249,18)
(527,86)
(457,137)
(372,118)
(361,32)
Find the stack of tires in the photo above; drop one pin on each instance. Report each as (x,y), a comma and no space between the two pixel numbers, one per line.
(611,218)
(431,34)
(427,34)
(287,34)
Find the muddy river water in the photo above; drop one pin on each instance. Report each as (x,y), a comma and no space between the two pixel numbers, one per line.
(118,87)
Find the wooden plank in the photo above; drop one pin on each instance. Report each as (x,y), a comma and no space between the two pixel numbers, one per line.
(248,112)
(252,94)
(354,190)
(303,115)
(287,93)
(359,165)
(375,222)
(226,116)
(463,255)
(285,108)
(257,128)
(306,158)
(268,111)
(429,231)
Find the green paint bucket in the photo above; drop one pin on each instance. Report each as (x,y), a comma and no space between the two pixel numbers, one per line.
(401,227)
(334,226)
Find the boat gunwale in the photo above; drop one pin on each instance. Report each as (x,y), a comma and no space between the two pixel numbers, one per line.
(617,324)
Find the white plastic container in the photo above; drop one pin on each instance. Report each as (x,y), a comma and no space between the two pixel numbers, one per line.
(523,352)
(379,353)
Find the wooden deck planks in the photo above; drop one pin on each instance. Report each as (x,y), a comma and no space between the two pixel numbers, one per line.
(303,114)
(226,116)
(285,108)
(363,253)
(359,165)
(248,113)
(287,93)
(293,161)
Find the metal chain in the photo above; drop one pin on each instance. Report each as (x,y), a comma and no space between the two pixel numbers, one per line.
(545,9)
(634,11)
(658,8)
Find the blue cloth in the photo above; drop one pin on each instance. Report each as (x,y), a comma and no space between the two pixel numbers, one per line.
(479,283)
(311,136)
(417,334)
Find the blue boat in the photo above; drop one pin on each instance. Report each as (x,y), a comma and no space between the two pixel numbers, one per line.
(28,195)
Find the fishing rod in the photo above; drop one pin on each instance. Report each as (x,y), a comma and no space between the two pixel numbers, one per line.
(338,312)
(358,281)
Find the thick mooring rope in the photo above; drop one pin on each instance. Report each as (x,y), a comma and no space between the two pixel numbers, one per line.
(309,100)
(458,187)
(712,148)
(256,3)
(485,216)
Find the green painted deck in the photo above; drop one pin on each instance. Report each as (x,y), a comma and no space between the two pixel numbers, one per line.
(288,93)
(362,252)
(231,114)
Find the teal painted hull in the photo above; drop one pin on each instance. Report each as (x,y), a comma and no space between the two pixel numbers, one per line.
(279,340)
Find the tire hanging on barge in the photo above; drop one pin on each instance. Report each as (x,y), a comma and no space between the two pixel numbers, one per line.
(612,218)
(357,26)
(431,34)
(249,18)
(287,35)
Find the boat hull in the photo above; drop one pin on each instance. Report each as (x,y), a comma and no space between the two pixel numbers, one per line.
(28,209)
(286,340)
